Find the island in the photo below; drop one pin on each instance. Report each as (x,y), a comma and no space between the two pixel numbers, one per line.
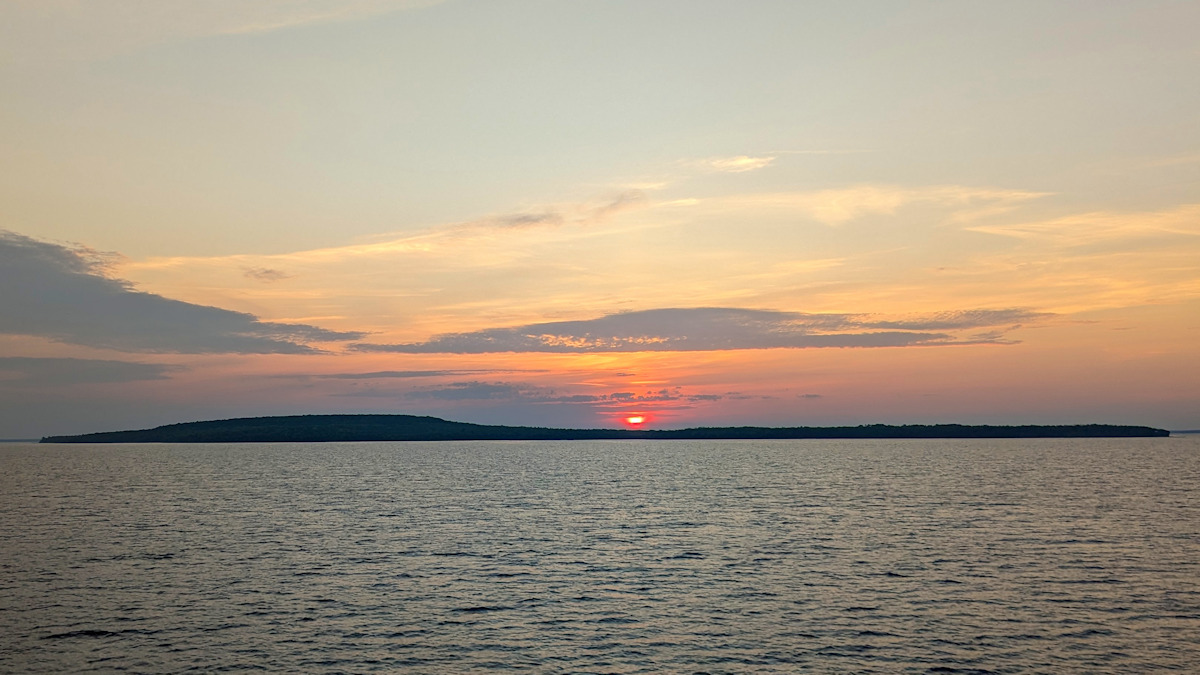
(331,428)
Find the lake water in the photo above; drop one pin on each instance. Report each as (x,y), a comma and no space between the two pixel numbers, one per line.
(978,556)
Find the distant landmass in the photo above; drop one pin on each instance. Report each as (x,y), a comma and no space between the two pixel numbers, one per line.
(327,428)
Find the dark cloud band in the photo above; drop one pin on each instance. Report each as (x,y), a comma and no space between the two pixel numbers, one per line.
(61,293)
(713,328)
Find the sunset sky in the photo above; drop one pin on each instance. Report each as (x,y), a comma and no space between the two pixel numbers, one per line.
(567,212)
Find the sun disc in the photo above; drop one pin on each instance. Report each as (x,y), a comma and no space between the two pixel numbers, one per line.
(635,419)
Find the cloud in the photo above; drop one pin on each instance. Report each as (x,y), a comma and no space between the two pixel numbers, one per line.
(586,213)
(516,391)
(738,164)
(463,243)
(396,374)
(974,318)
(707,329)
(266,275)
(405,374)
(989,337)
(838,206)
(522,220)
(476,391)
(1116,229)
(61,294)
(473,390)
(60,371)
(526,393)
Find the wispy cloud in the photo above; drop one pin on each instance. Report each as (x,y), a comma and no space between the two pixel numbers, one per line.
(960,320)
(738,164)
(62,294)
(892,249)
(842,205)
(744,163)
(477,391)
(430,240)
(709,329)
(518,391)
(585,213)
(430,276)
(266,274)
(1101,227)
(397,374)
(406,374)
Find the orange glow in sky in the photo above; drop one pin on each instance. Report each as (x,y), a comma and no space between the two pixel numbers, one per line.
(270,210)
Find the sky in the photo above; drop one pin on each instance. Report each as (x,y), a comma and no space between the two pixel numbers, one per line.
(570,212)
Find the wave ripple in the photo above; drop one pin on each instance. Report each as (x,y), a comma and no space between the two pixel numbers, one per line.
(975,556)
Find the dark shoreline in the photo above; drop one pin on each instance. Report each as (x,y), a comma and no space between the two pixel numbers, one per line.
(332,428)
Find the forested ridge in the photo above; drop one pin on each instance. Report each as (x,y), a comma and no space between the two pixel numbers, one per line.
(327,428)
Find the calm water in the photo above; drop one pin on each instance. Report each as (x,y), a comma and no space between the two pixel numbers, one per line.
(603,557)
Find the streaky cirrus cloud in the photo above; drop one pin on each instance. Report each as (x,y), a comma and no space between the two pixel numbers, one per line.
(477,390)
(446,238)
(405,374)
(837,206)
(738,164)
(23,370)
(712,329)
(398,374)
(971,318)
(62,294)
(584,213)
(1117,229)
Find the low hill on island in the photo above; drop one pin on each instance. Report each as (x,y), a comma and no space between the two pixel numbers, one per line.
(324,428)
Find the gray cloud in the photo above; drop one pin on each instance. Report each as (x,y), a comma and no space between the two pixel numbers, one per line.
(972,318)
(709,328)
(473,390)
(61,294)
(266,274)
(739,396)
(476,390)
(585,214)
(521,220)
(510,391)
(59,371)
(397,374)
(402,374)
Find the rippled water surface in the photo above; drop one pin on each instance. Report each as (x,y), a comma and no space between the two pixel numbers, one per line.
(603,557)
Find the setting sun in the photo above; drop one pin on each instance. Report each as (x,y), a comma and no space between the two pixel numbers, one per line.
(635,419)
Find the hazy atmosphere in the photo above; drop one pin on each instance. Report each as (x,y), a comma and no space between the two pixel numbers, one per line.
(564,213)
